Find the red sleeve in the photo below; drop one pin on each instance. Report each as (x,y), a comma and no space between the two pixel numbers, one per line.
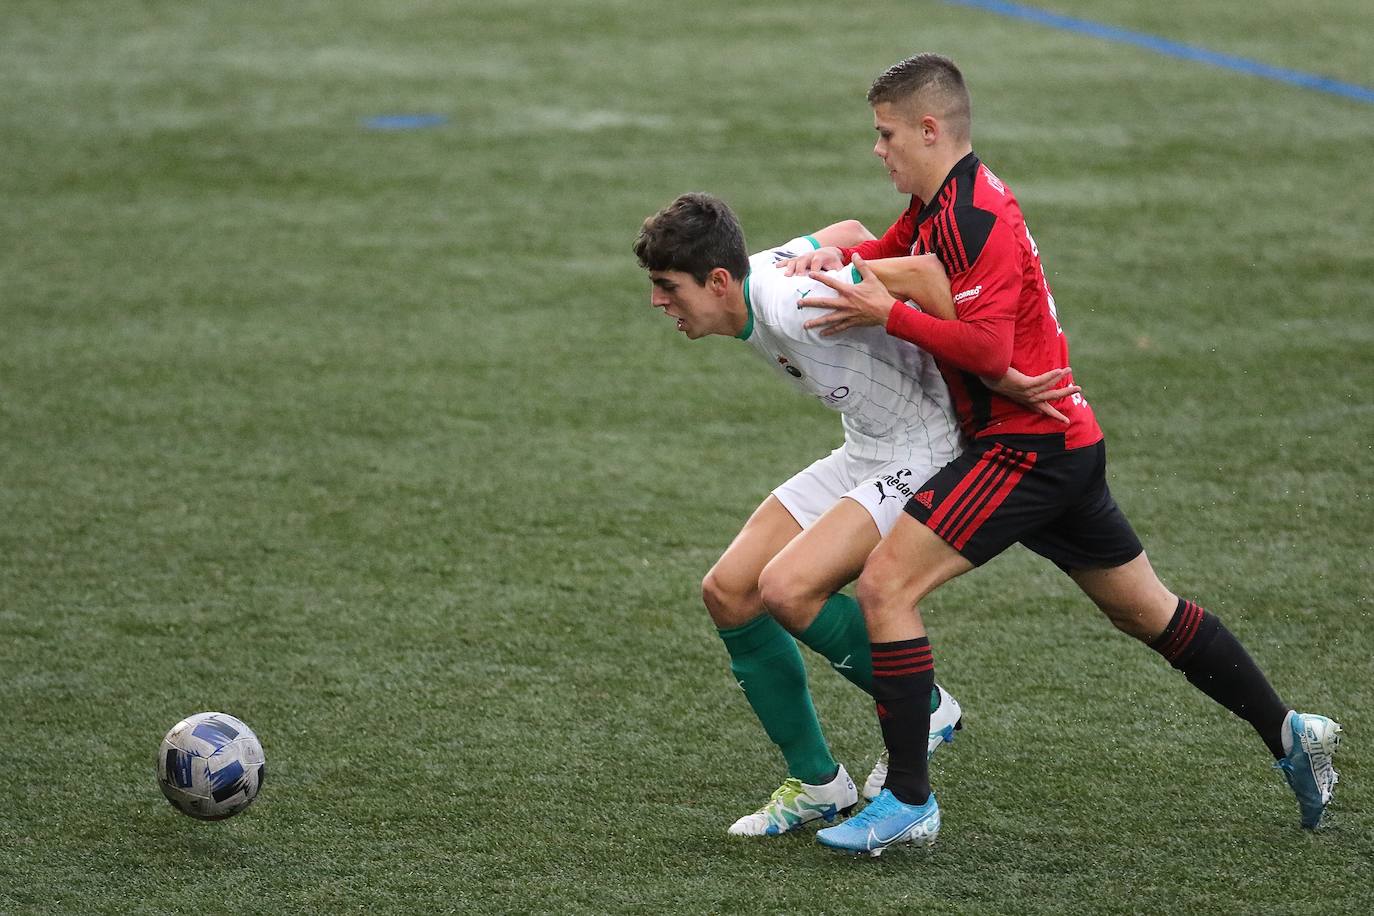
(986,297)
(896,241)
(981,347)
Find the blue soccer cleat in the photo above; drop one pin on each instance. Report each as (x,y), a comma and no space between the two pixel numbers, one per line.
(886,822)
(1307,767)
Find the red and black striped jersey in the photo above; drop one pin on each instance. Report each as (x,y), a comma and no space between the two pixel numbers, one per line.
(1006,310)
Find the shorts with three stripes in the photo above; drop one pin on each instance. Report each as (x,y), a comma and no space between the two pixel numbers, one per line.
(1031,489)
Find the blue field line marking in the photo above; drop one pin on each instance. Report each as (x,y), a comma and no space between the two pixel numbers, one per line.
(405,121)
(1172,48)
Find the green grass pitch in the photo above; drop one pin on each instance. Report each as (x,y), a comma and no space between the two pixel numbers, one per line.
(371,439)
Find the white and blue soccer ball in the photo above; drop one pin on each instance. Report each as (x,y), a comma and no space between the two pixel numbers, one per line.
(210,766)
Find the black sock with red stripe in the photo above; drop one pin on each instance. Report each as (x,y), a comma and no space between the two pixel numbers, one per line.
(903,675)
(1214,661)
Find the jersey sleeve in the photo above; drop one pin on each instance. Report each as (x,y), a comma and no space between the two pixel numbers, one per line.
(770,256)
(895,242)
(983,259)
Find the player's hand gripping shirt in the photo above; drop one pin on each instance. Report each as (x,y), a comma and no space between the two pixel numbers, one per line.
(892,400)
(1006,311)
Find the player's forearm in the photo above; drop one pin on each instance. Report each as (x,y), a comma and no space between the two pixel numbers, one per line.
(921,279)
(895,243)
(981,347)
(843,234)
(875,249)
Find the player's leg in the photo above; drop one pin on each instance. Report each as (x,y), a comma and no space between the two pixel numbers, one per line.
(768,667)
(1212,659)
(1191,639)
(970,511)
(730,589)
(1094,542)
(1131,596)
(763,656)
(801,584)
(910,563)
(800,588)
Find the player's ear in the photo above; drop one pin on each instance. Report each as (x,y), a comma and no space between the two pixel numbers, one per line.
(930,129)
(718,280)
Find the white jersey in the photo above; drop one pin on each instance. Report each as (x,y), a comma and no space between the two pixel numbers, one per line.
(893,402)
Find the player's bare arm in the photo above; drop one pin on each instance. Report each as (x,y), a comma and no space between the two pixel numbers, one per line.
(918,278)
(845,234)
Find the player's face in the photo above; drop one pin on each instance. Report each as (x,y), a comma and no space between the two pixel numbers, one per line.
(697,308)
(902,145)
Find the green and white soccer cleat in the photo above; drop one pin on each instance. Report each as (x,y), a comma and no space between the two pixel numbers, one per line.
(1307,767)
(795,803)
(945,720)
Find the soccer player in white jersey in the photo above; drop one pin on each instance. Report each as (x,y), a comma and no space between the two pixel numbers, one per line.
(781,575)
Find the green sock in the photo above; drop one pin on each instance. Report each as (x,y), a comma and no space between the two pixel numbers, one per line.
(768,666)
(838,633)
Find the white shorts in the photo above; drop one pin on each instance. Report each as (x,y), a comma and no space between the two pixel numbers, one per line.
(881,487)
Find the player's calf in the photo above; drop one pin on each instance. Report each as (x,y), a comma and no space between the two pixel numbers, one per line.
(946,717)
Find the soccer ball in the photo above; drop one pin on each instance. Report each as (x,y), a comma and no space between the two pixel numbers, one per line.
(210,766)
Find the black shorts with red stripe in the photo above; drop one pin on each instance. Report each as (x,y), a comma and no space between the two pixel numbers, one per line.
(1031,489)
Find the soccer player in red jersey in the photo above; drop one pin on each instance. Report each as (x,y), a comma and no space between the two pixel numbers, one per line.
(1027,478)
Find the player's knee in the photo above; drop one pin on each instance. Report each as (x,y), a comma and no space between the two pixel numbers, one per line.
(1143,621)
(787,597)
(730,604)
(1131,622)
(776,592)
(879,585)
(1142,613)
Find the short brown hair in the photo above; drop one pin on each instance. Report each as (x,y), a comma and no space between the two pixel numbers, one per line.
(696,233)
(934,78)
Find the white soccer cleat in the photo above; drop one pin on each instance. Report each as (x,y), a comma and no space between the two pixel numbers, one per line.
(1307,767)
(945,720)
(795,803)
